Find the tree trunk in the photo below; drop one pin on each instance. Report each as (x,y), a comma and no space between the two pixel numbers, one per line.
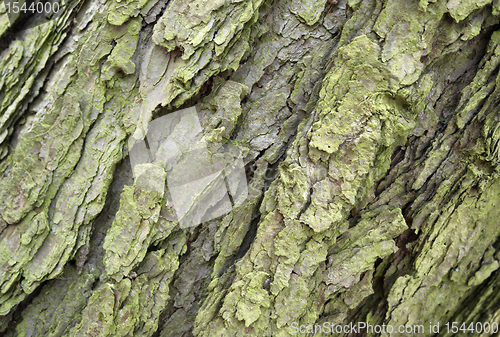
(370,136)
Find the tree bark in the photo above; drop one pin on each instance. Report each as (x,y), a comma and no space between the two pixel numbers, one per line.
(371,139)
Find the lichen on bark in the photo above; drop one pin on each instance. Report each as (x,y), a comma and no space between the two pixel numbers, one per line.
(369,131)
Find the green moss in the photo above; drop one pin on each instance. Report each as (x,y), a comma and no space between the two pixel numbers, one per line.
(478,89)
(194,28)
(221,111)
(456,234)
(460,9)
(292,189)
(308,11)
(349,264)
(97,317)
(188,24)
(130,234)
(496,8)
(287,245)
(260,130)
(407,37)
(379,119)
(424,3)
(377,225)
(248,297)
(18,248)
(228,241)
(362,116)
(120,57)
(22,63)
(139,299)
(4,21)
(291,302)
(54,150)
(353,3)
(58,304)
(483,273)
(120,11)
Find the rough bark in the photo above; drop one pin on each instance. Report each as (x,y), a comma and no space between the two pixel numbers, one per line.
(371,138)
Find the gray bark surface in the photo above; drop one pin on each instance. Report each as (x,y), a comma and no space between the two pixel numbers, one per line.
(371,140)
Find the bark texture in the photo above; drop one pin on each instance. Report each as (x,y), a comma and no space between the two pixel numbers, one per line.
(371,136)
